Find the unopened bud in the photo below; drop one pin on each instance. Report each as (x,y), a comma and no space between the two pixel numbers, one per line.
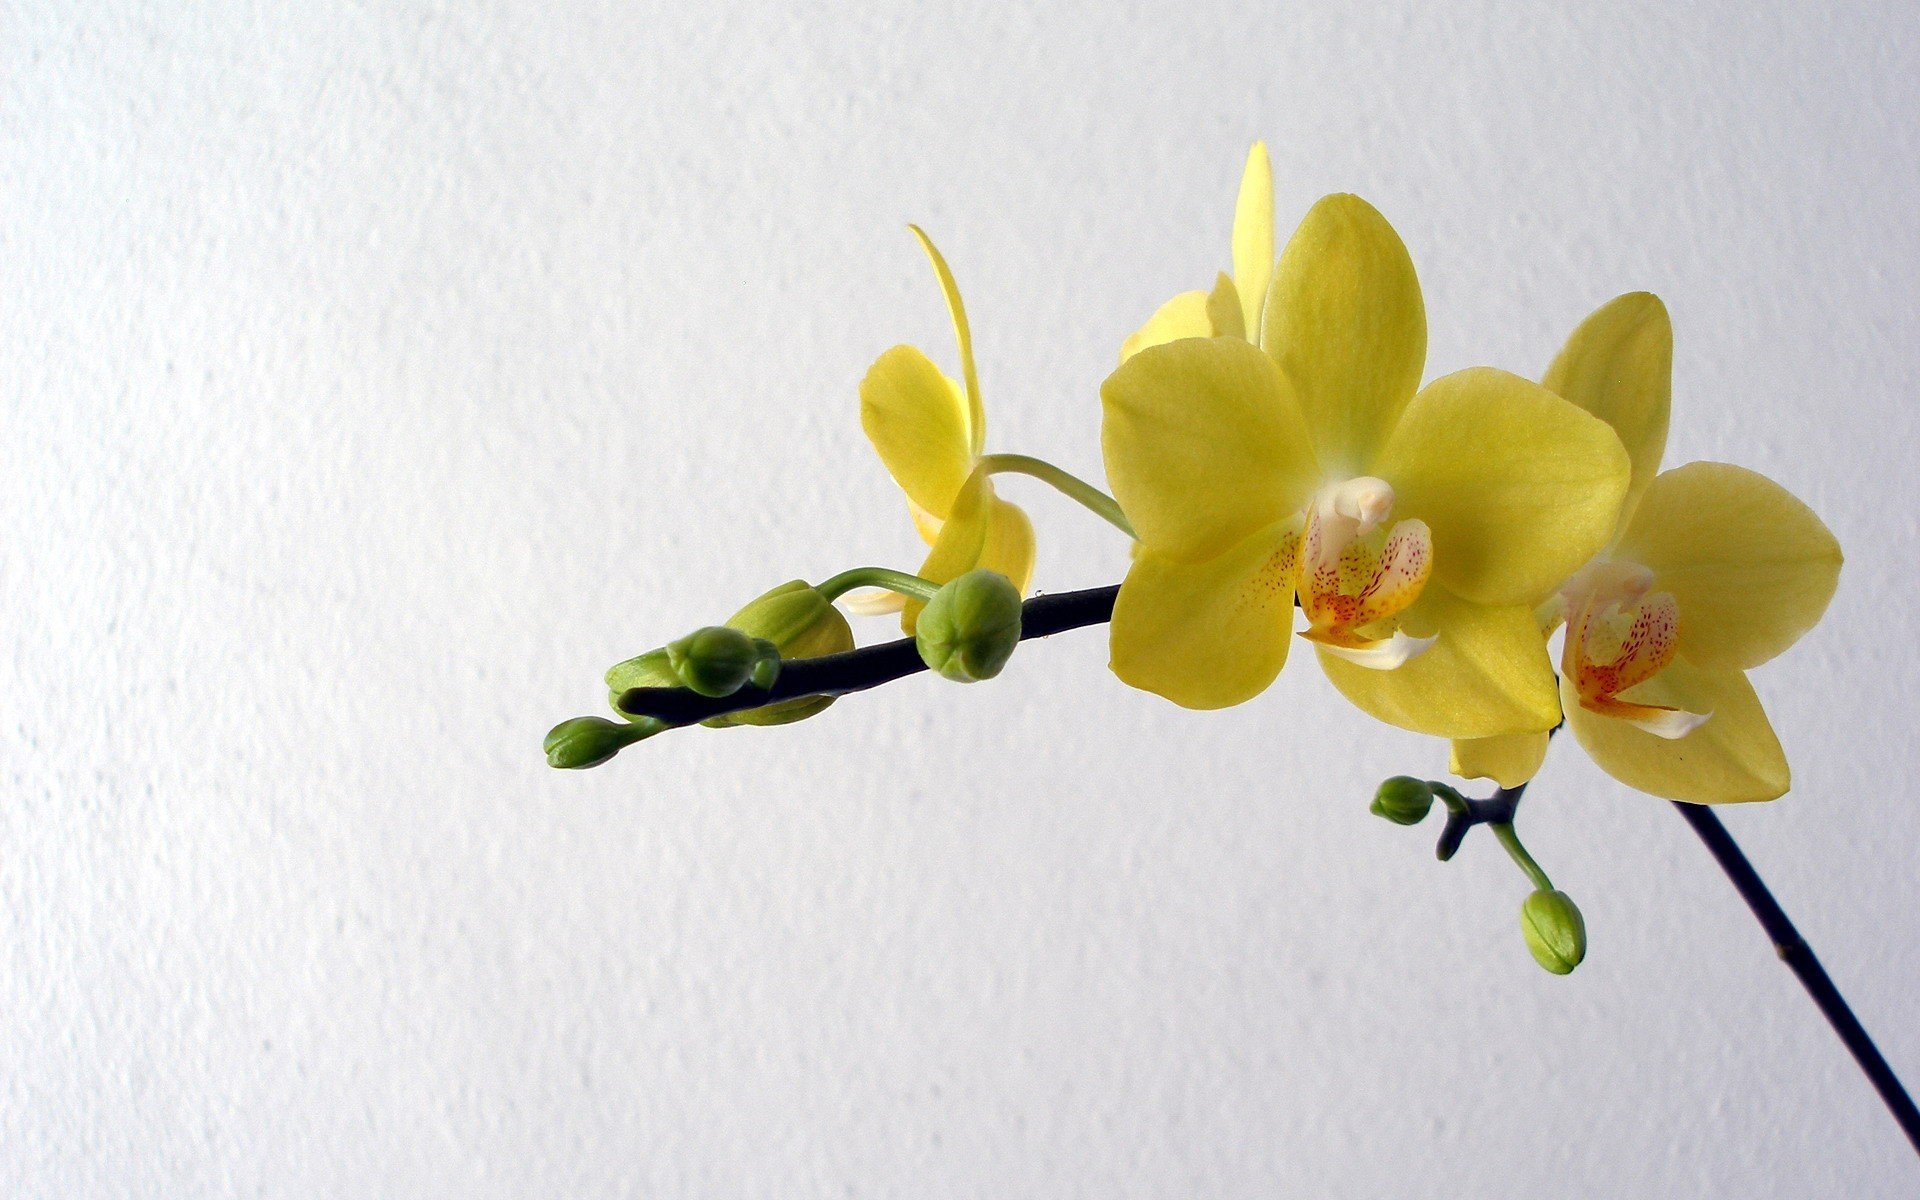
(968,630)
(802,623)
(792,621)
(1555,931)
(590,741)
(719,660)
(1403,800)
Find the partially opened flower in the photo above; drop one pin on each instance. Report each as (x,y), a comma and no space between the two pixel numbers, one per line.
(929,431)
(1418,528)
(1714,570)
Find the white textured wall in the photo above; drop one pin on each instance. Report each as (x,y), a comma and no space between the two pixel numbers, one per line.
(375,374)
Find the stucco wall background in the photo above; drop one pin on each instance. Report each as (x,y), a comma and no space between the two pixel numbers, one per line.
(376,374)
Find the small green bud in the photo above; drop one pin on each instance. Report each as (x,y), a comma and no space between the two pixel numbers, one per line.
(1403,800)
(1555,931)
(590,741)
(719,660)
(968,630)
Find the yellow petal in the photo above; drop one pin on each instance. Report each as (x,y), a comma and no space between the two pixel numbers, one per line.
(1345,319)
(1204,445)
(1487,673)
(1618,365)
(1207,634)
(916,419)
(1253,236)
(1519,487)
(1223,309)
(924,523)
(1009,547)
(1733,758)
(1184,316)
(984,532)
(1751,566)
(961,542)
(976,416)
(1509,761)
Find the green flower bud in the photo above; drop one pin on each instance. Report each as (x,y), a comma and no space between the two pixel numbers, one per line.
(718,660)
(590,741)
(1403,800)
(970,627)
(795,618)
(1555,931)
(802,623)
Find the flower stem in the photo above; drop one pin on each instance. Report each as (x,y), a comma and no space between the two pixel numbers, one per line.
(911,586)
(1799,957)
(1518,853)
(1071,486)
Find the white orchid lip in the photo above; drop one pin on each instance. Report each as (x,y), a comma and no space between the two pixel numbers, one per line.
(1356,571)
(1384,654)
(1670,723)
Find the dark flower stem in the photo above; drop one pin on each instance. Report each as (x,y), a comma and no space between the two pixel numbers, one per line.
(1800,959)
(871,666)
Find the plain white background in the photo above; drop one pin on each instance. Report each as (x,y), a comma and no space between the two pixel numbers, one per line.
(375,374)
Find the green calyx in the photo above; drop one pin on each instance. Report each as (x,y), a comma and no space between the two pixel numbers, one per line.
(969,629)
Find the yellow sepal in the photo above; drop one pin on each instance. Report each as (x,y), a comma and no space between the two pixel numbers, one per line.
(1618,365)
(963,334)
(1509,760)
(1253,239)
(1487,672)
(1184,316)
(1345,319)
(1733,758)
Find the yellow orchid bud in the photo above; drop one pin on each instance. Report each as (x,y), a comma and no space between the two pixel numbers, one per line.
(970,627)
(1556,933)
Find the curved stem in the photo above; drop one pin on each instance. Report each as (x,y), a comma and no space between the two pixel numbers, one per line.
(1518,853)
(1071,486)
(911,586)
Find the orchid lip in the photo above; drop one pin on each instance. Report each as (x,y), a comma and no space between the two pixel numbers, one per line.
(1620,634)
(1359,571)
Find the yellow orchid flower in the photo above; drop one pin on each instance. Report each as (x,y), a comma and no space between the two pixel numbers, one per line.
(929,432)
(1233,308)
(1418,528)
(1712,570)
